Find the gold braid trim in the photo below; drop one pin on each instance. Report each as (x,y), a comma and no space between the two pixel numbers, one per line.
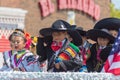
(99,64)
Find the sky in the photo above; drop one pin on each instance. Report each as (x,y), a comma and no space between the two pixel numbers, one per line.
(116,3)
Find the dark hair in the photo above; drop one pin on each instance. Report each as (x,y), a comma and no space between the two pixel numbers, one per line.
(20,30)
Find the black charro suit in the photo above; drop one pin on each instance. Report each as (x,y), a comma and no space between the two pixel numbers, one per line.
(92,62)
(45,53)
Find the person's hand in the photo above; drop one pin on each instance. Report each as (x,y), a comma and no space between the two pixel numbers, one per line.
(57,65)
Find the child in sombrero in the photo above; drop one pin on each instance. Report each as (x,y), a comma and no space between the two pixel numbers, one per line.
(60,53)
(112,24)
(84,47)
(100,50)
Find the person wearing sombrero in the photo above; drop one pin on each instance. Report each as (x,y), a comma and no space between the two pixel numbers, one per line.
(84,47)
(100,50)
(112,24)
(61,53)
(82,33)
(74,36)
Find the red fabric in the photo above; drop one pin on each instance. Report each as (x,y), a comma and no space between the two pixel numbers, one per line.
(28,44)
(64,56)
(56,46)
(85,54)
(115,71)
(98,54)
(27,36)
(112,64)
(29,40)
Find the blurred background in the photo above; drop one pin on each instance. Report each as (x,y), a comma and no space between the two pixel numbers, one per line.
(34,20)
(32,15)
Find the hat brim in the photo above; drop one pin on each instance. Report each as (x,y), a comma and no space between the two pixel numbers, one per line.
(108,23)
(94,34)
(77,40)
(48,31)
(48,39)
(81,32)
(45,32)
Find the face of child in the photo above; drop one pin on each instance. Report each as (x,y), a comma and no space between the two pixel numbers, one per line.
(17,43)
(59,36)
(11,45)
(102,41)
(113,33)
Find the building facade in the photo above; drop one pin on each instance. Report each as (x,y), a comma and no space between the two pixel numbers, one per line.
(34,19)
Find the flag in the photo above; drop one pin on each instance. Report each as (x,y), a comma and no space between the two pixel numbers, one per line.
(112,65)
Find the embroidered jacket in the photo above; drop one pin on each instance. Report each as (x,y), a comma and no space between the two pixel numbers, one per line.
(67,56)
(97,58)
(25,61)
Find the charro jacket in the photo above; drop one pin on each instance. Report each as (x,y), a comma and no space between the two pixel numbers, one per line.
(66,64)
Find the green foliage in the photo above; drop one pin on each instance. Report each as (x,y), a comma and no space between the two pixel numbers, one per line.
(114,12)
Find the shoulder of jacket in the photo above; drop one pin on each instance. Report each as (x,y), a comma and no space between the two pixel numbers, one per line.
(27,53)
(6,53)
(30,58)
(74,47)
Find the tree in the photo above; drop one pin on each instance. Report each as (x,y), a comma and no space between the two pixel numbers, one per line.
(114,12)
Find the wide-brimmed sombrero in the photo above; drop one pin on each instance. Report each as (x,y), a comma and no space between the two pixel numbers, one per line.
(93,34)
(108,23)
(81,31)
(77,40)
(58,25)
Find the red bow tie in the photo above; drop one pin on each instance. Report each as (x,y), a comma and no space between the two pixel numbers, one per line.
(56,45)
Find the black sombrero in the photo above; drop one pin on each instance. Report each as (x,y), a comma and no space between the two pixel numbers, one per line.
(77,40)
(81,31)
(108,23)
(58,25)
(93,34)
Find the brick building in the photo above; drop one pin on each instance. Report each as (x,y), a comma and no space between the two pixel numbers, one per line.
(34,21)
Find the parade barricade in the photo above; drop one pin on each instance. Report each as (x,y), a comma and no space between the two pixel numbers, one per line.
(56,76)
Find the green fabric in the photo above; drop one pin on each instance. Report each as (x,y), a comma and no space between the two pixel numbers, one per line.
(74,47)
(21,52)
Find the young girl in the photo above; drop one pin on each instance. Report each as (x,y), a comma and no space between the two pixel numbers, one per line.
(19,59)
